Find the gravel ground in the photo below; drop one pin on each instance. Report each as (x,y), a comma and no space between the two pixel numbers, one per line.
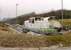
(45,48)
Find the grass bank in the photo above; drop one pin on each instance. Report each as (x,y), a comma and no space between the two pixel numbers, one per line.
(24,40)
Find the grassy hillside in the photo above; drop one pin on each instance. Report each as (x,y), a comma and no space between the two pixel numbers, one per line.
(57,13)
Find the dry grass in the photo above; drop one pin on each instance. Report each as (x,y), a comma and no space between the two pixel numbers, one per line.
(24,40)
(66,21)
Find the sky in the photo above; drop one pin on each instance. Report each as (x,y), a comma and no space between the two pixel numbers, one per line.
(8,7)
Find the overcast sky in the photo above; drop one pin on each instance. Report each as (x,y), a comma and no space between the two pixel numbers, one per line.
(8,7)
